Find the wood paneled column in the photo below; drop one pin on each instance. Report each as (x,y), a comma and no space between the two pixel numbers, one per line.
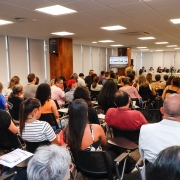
(61,63)
(124,52)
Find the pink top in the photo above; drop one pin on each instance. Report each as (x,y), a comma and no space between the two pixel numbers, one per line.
(131,90)
(57,94)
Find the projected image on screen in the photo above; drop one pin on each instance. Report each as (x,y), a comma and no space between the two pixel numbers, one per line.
(118,61)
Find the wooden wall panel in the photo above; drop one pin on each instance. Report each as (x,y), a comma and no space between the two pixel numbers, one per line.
(124,52)
(62,63)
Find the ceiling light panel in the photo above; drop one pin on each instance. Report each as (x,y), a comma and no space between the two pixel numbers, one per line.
(161,43)
(94,42)
(159,50)
(63,33)
(3,22)
(141,47)
(106,41)
(116,45)
(171,46)
(175,21)
(113,28)
(146,38)
(56,10)
(176,48)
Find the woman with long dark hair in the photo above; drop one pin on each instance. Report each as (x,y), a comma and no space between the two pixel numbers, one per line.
(43,94)
(79,134)
(83,93)
(106,95)
(166,166)
(16,98)
(31,129)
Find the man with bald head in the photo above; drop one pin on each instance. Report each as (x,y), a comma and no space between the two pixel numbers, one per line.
(158,136)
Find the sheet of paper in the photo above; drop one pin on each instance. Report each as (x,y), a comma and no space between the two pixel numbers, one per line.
(15,157)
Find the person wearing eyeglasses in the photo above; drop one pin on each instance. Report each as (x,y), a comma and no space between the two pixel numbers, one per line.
(57,91)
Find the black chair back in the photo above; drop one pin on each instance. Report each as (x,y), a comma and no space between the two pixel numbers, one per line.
(130,135)
(93,164)
(151,115)
(32,146)
(49,117)
(94,95)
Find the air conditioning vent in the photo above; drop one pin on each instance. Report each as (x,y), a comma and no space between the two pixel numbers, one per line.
(136,33)
(19,19)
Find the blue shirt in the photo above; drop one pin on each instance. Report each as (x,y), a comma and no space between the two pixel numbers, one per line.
(2,102)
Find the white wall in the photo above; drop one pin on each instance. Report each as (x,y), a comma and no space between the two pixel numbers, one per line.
(20,56)
(155,59)
(90,57)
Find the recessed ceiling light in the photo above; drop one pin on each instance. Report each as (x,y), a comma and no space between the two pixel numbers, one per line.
(176,48)
(146,38)
(63,33)
(144,49)
(141,47)
(161,43)
(94,42)
(3,22)
(105,41)
(113,28)
(171,46)
(175,21)
(56,10)
(116,45)
(158,50)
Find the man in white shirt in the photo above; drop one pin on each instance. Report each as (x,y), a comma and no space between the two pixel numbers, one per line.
(57,91)
(158,136)
(81,82)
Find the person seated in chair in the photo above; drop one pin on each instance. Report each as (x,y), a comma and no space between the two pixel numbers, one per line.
(7,129)
(16,98)
(122,117)
(31,129)
(158,136)
(49,163)
(165,167)
(72,85)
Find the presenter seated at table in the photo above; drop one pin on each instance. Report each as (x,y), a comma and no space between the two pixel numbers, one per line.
(159,70)
(151,70)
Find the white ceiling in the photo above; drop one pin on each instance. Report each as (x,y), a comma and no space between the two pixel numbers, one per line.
(150,16)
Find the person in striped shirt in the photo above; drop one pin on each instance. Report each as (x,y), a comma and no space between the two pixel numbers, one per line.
(31,129)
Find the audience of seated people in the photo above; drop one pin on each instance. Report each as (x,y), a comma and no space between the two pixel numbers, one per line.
(158,86)
(30,88)
(106,95)
(158,136)
(16,98)
(149,78)
(57,91)
(88,77)
(14,80)
(7,129)
(81,81)
(107,76)
(122,117)
(101,77)
(82,135)
(30,128)
(173,88)
(166,166)
(95,86)
(144,88)
(83,93)
(131,90)
(49,163)
(3,102)
(72,85)
(48,106)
